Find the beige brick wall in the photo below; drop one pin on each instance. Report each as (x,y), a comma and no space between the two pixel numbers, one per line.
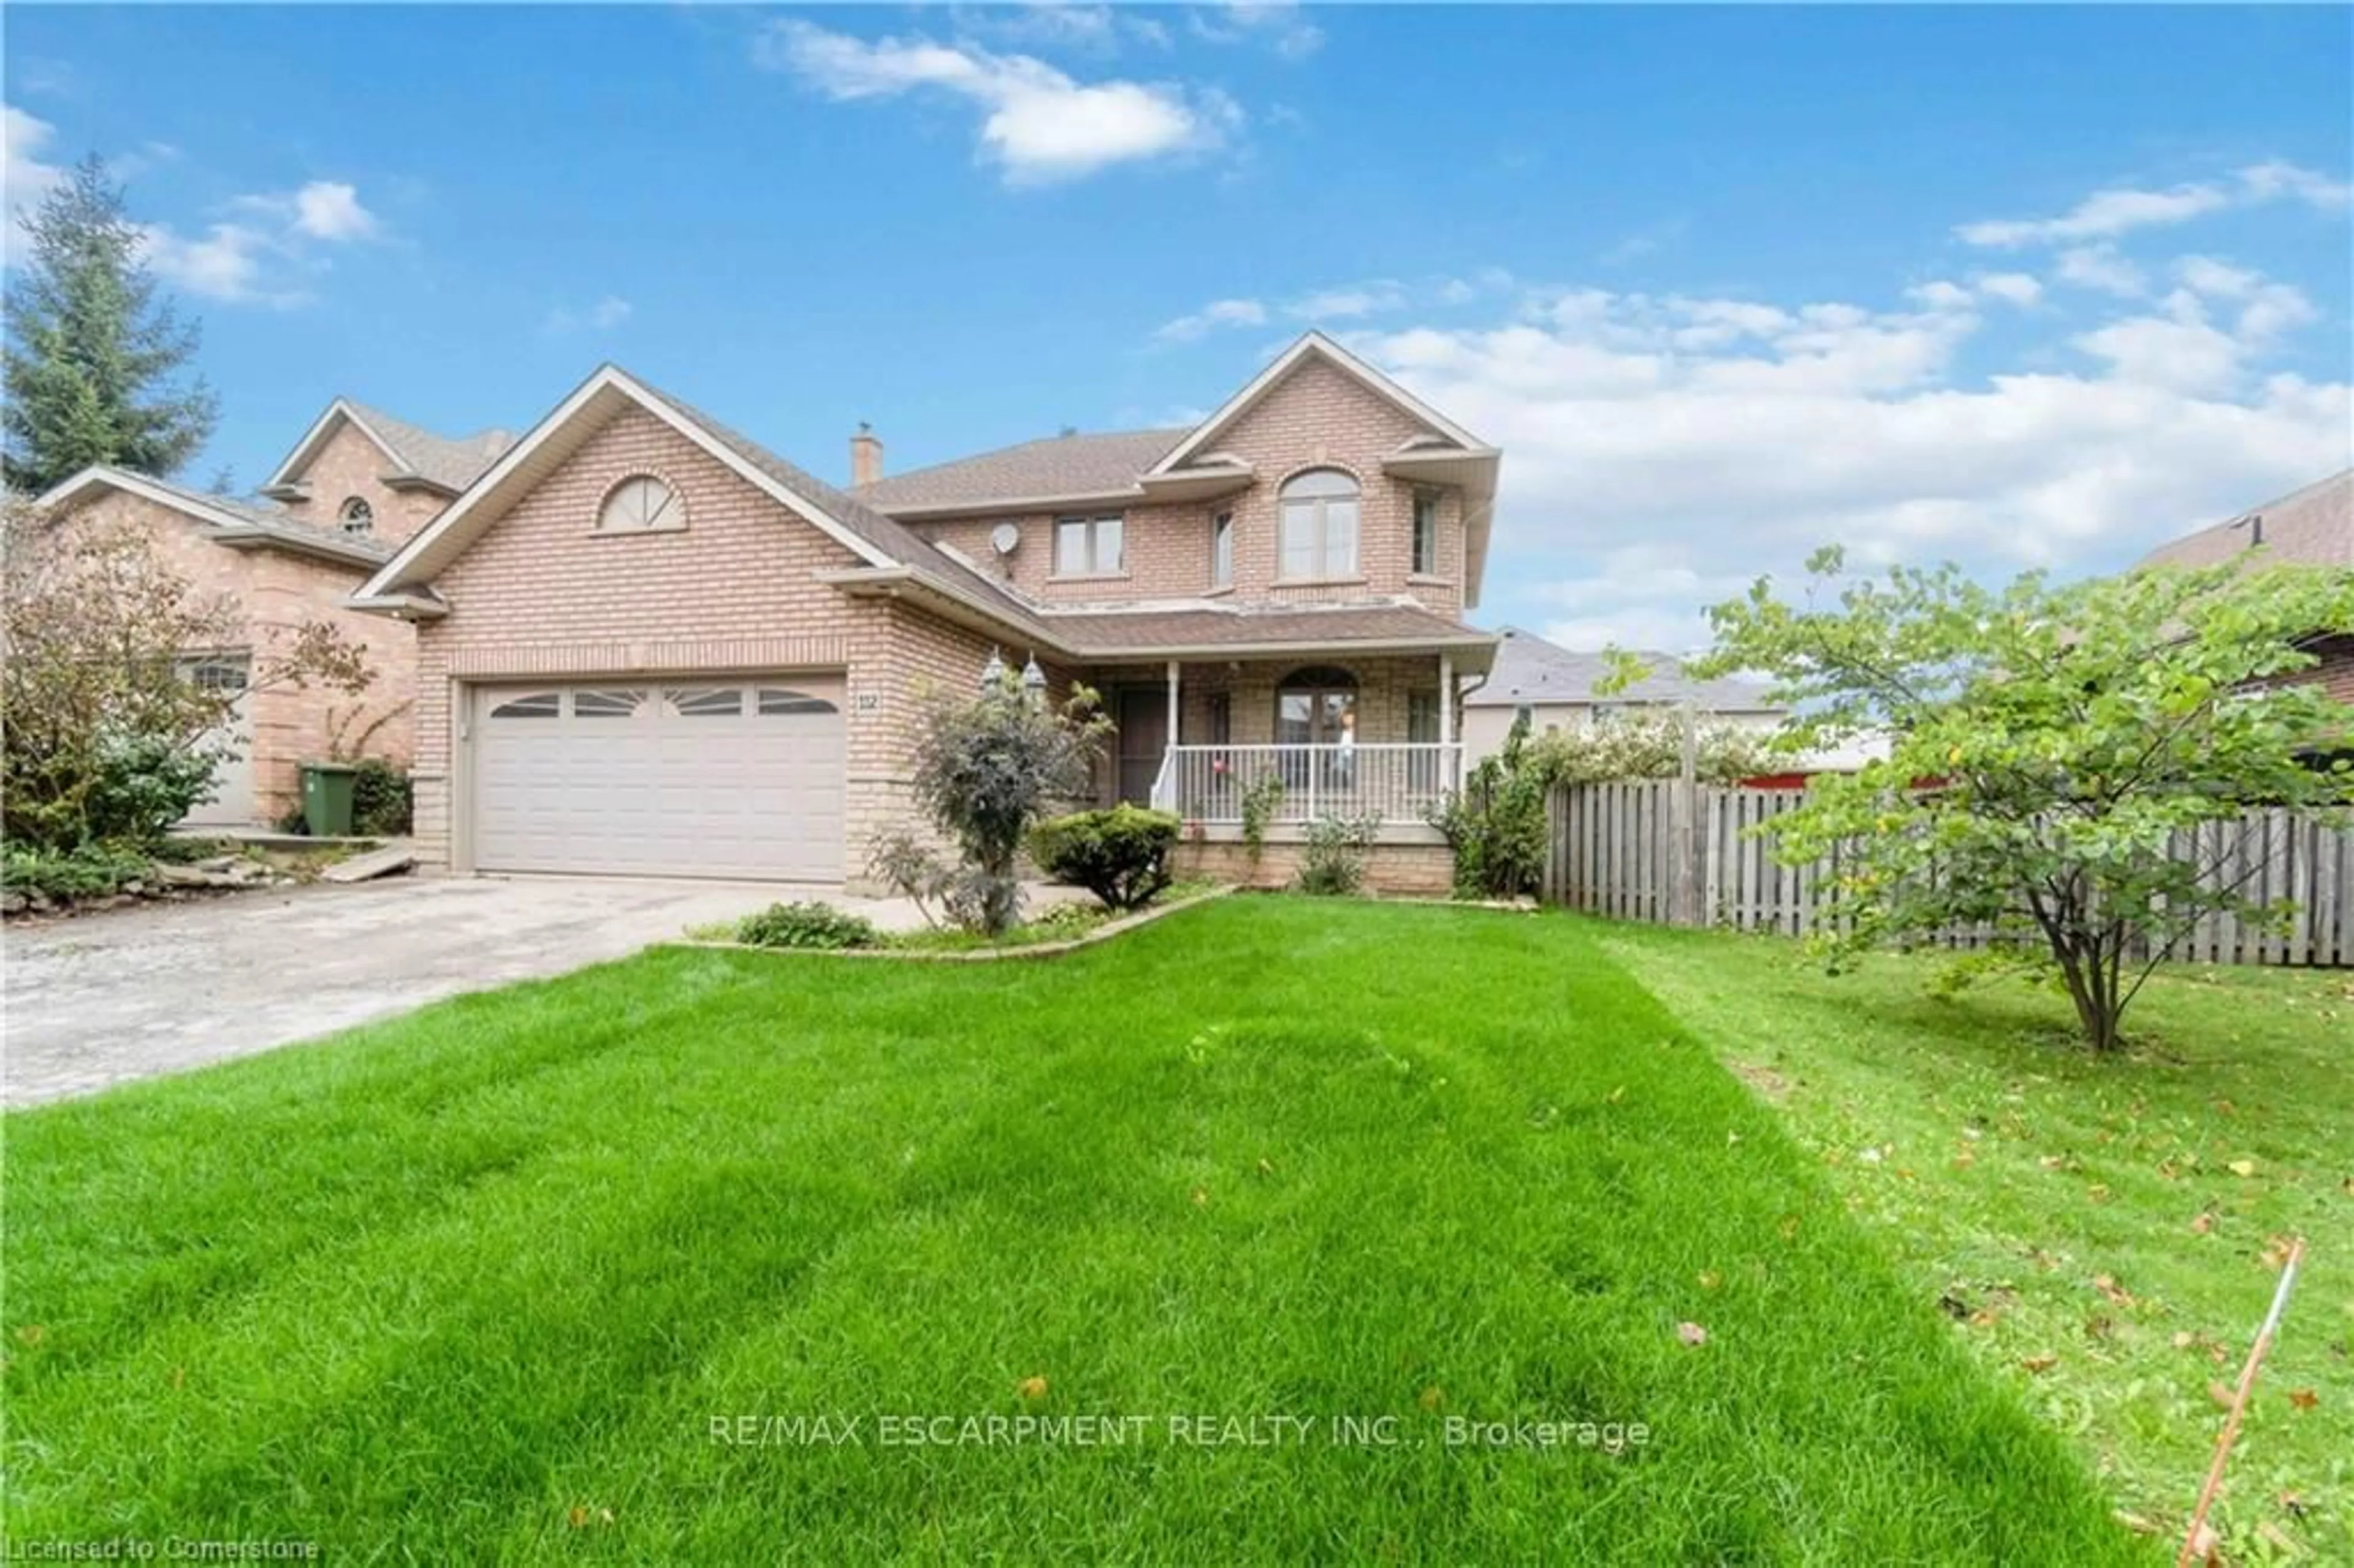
(277,593)
(1319,418)
(542,593)
(349,464)
(1424,871)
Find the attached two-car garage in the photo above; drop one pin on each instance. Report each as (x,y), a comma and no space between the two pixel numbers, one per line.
(724,777)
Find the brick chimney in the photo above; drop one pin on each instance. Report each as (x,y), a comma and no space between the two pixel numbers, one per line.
(865,455)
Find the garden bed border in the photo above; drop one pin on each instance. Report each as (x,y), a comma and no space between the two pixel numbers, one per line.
(1102,933)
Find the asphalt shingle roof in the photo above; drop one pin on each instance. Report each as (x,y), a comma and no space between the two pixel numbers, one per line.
(1098,464)
(2311,527)
(926,560)
(450,461)
(275,520)
(1530,670)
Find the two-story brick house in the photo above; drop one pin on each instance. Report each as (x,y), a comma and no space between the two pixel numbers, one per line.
(646,645)
(357,486)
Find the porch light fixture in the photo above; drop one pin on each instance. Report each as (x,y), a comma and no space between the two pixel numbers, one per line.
(1033,682)
(993,674)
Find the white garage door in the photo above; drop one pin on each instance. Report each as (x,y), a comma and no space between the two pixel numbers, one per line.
(722,777)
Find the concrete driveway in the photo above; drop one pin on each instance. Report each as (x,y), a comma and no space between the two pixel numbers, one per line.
(129,993)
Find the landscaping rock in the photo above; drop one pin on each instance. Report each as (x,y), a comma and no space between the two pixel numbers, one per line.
(218,863)
(393,857)
(171,876)
(13,902)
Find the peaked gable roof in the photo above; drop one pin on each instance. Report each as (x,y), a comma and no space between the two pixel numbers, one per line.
(1529,669)
(416,454)
(228,520)
(1311,346)
(884,547)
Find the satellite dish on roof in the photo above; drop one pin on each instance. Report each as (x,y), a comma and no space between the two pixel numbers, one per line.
(1003,537)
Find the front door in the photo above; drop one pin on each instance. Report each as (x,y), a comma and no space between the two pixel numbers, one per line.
(1143,719)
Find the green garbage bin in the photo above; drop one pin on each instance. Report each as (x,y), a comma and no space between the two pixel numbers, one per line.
(327,799)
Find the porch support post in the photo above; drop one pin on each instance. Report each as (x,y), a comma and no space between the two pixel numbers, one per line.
(1172,702)
(1448,768)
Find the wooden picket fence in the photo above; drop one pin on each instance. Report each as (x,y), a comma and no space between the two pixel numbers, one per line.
(1680,854)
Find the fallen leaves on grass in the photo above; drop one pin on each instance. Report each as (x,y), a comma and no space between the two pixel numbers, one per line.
(2241,1168)
(1691,1334)
(2220,1393)
(2304,1398)
(582,1516)
(2039,1365)
(2107,1285)
(2276,1251)
(2203,1223)
(1709,1279)
(1032,1388)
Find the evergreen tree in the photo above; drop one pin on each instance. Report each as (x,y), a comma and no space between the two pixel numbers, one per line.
(91,351)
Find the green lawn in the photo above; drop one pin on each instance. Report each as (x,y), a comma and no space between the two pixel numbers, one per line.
(476,1284)
(2084,1220)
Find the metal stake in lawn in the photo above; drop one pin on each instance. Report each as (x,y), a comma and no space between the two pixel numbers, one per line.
(2240,1405)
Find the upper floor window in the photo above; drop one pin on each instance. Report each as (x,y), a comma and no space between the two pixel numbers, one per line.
(1222,550)
(1426,532)
(1319,531)
(639,502)
(1088,546)
(357,516)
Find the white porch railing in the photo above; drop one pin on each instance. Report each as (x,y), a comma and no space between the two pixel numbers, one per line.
(1398,783)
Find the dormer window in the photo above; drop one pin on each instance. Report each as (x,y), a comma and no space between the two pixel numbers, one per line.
(357,517)
(1319,525)
(638,504)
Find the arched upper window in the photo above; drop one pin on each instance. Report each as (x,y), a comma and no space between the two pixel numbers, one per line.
(639,502)
(357,516)
(1318,529)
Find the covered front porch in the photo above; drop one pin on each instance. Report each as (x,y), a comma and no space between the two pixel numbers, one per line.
(1287,740)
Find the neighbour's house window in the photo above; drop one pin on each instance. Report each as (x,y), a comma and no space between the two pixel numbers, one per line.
(1222,550)
(638,503)
(1316,706)
(1426,532)
(1319,530)
(358,517)
(1088,546)
(217,674)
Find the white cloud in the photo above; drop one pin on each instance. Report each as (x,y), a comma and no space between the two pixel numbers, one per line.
(2107,215)
(2011,287)
(2100,266)
(1347,302)
(227,262)
(1210,317)
(1664,449)
(331,210)
(1038,124)
(1282,27)
(1048,24)
(29,176)
(607,314)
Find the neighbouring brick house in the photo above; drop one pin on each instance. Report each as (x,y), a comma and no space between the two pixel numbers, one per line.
(2313,527)
(355,489)
(647,645)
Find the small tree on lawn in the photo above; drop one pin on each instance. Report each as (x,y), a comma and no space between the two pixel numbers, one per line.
(102,733)
(986,771)
(2049,745)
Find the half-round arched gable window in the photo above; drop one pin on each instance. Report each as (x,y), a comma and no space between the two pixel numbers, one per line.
(357,516)
(640,502)
(1318,535)
(1316,706)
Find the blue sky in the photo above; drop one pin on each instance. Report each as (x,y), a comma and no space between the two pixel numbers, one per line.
(2013,286)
